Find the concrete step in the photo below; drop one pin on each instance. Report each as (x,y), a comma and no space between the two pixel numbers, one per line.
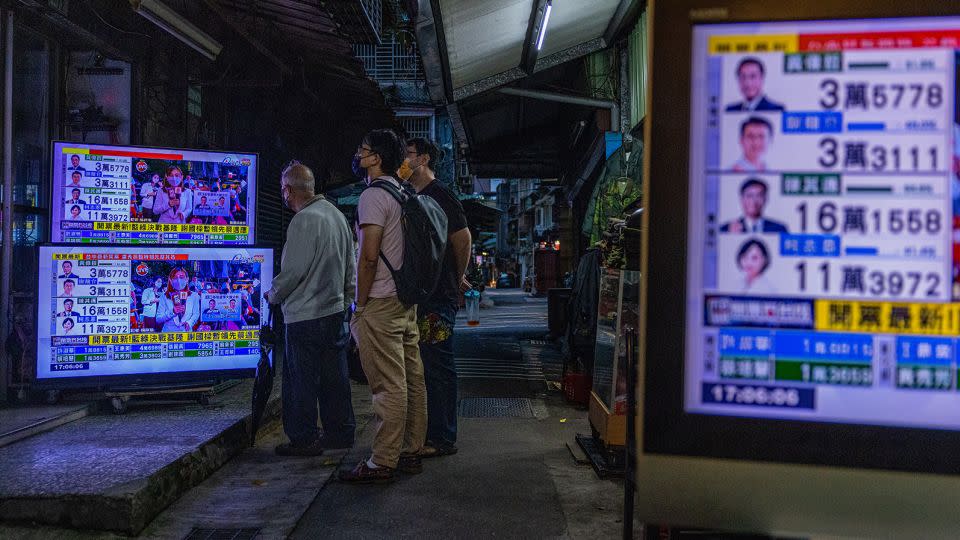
(117,472)
(18,423)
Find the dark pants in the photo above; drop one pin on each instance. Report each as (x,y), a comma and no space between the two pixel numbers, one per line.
(315,373)
(440,374)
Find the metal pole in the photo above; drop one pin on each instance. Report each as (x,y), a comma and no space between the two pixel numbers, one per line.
(630,472)
(573,100)
(7,234)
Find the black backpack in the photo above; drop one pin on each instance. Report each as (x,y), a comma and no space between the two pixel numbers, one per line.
(424,244)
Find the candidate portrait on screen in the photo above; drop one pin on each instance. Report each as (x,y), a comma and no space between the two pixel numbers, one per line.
(753,260)
(753,199)
(756,134)
(67,269)
(66,327)
(74,197)
(212,308)
(67,309)
(750,78)
(75,164)
(67,288)
(75,179)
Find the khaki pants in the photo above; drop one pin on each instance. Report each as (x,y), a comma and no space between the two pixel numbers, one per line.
(387,336)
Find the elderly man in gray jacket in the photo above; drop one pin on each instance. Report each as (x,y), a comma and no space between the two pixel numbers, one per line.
(315,287)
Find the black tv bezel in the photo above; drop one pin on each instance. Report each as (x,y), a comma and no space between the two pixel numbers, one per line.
(667,428)
(250,213)
(104,382)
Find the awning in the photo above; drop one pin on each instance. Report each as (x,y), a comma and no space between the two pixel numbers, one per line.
(480,215)
(471,48)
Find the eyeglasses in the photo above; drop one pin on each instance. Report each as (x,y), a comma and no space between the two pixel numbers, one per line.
(369,151)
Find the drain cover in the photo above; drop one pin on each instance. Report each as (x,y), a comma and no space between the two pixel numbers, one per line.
(222,534)
(496,408)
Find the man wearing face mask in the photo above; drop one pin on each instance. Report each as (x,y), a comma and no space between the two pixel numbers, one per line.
(385,329)
(437,317)
(315,287)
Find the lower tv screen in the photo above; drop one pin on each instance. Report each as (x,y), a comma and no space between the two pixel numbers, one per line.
(138,313)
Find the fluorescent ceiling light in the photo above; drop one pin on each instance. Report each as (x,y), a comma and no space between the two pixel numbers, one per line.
(178,26)
(543,27)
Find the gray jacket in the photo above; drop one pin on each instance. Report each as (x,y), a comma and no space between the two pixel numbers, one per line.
(317,271)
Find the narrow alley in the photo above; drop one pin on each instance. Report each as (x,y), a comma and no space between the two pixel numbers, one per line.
(518,473)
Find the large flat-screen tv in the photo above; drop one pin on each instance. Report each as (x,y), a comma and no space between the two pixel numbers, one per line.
(135,195)
(802,278)
(131,315)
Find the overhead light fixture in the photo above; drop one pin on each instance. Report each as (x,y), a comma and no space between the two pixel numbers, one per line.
(536,31)
(178,26)
(543,27)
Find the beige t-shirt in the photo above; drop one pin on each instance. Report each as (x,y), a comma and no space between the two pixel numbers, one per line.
(378,207)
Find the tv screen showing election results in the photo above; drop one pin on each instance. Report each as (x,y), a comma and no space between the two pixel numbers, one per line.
(824,230)
(114,311)
(128,195)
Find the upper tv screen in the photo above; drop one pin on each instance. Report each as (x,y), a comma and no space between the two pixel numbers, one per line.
(131,195)
(824,231)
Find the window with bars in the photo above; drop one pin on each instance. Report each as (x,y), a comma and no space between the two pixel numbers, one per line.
(417,126)
(390,61)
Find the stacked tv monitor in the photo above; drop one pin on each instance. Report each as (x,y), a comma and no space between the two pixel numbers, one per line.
(801,346)
(151,196)
(151,275)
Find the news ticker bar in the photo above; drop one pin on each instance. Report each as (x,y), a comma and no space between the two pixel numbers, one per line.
(123,153)
(120,256)
(169,227)
(887,317)
(793,43)
(179,337)
(834,315)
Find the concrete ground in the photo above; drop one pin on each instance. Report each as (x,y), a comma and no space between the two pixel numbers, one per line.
(513,477)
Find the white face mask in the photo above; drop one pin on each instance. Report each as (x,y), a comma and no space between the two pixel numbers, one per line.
(179,283)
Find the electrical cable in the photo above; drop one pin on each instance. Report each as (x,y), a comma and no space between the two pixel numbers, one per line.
(104,21)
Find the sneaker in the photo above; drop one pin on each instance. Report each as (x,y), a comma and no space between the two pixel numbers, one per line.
(362,474)
(410,464)
(432,450)
(314,448)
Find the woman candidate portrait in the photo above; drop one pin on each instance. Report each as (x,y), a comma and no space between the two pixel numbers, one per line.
(753,260)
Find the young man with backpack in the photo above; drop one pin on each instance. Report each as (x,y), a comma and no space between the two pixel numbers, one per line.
(437,315)
(384,321)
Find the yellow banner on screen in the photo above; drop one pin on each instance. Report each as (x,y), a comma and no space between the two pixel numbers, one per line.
(754,44)
(175,337)
(170,227)
(887,317)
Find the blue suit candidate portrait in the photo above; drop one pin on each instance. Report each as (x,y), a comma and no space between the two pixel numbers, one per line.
(750,78)
(753,197)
